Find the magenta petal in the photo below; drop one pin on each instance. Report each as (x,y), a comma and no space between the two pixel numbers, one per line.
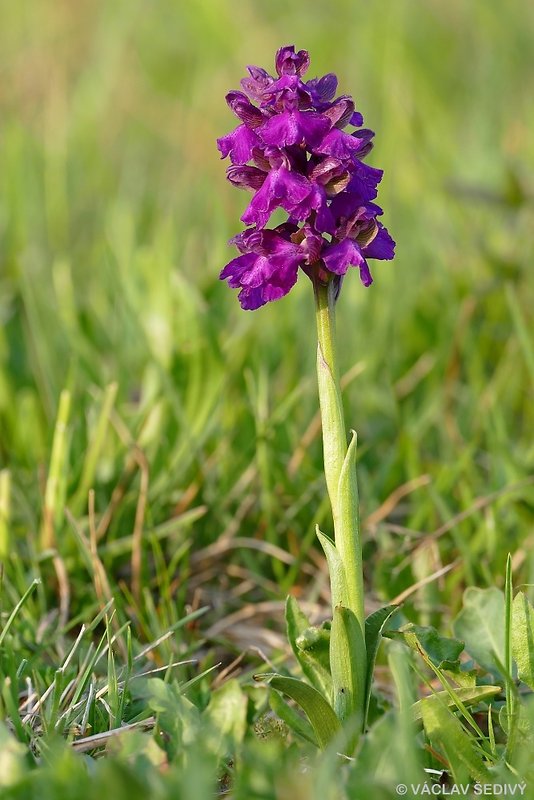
(238,144)
(365,273)
(294,127)
(281,188)
(339,144)
(323,89)
(251,299)
(338,257)
(234,270)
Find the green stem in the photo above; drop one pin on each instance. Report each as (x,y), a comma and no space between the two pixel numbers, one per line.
(340,470)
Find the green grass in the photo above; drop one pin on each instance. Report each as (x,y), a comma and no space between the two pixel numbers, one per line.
(156,454)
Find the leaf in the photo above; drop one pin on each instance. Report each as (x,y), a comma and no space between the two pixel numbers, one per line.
(481,626)
(12,758)
(374,625)
(347,525)
(227,713)
(468,697)
(348,664)
(316,639)
(338,583)
(321,715)
(445,730)
(443,652)
(292,718)
(523,638)
(313,659)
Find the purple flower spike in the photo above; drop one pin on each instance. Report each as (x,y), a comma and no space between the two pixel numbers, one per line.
(292,152)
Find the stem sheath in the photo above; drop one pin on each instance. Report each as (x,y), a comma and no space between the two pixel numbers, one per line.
(339,466)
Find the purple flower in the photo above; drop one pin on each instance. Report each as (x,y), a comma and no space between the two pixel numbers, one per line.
(291,150)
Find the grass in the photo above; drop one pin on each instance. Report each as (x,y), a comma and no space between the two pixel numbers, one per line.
(160,461)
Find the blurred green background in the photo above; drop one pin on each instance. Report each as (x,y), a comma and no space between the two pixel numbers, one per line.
(114,221)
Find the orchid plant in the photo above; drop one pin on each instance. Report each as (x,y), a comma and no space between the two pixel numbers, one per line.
(293,152)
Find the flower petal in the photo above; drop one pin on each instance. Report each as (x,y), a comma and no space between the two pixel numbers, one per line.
(238,144)
(339,256)
(323,89)
(294,127)
(244,110)
(281,188)
(288,62)
(246,177)
(340,145)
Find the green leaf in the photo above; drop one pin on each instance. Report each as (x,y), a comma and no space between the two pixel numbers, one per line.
(227,713)
(292,718)
(347,525)
(321,715)
(338,583)
(443,652)
(310,646)
(523,638)
(481,625)
(348,664)
(444,730)
(468,697)
(374,625)
(12,758)
(316,639)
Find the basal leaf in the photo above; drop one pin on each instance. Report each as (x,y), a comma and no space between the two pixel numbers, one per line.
(374,625)
(320,713)
(481,625)
(295,721)
(523,638)
(443,652)
(468,697)
(312,655)
(445,732)
(227,713)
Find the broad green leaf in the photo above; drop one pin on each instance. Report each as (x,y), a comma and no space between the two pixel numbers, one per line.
(481,625)
(292,718)
(374,625)
(468,697)
(321,715)
(338,583)
(316,638)
(348,664)
(311,654)
(522,729)
(443,652)
(227,713)
(445,731)
(12,758)
(523,638)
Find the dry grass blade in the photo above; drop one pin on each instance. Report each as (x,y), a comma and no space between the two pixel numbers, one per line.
(394,498)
